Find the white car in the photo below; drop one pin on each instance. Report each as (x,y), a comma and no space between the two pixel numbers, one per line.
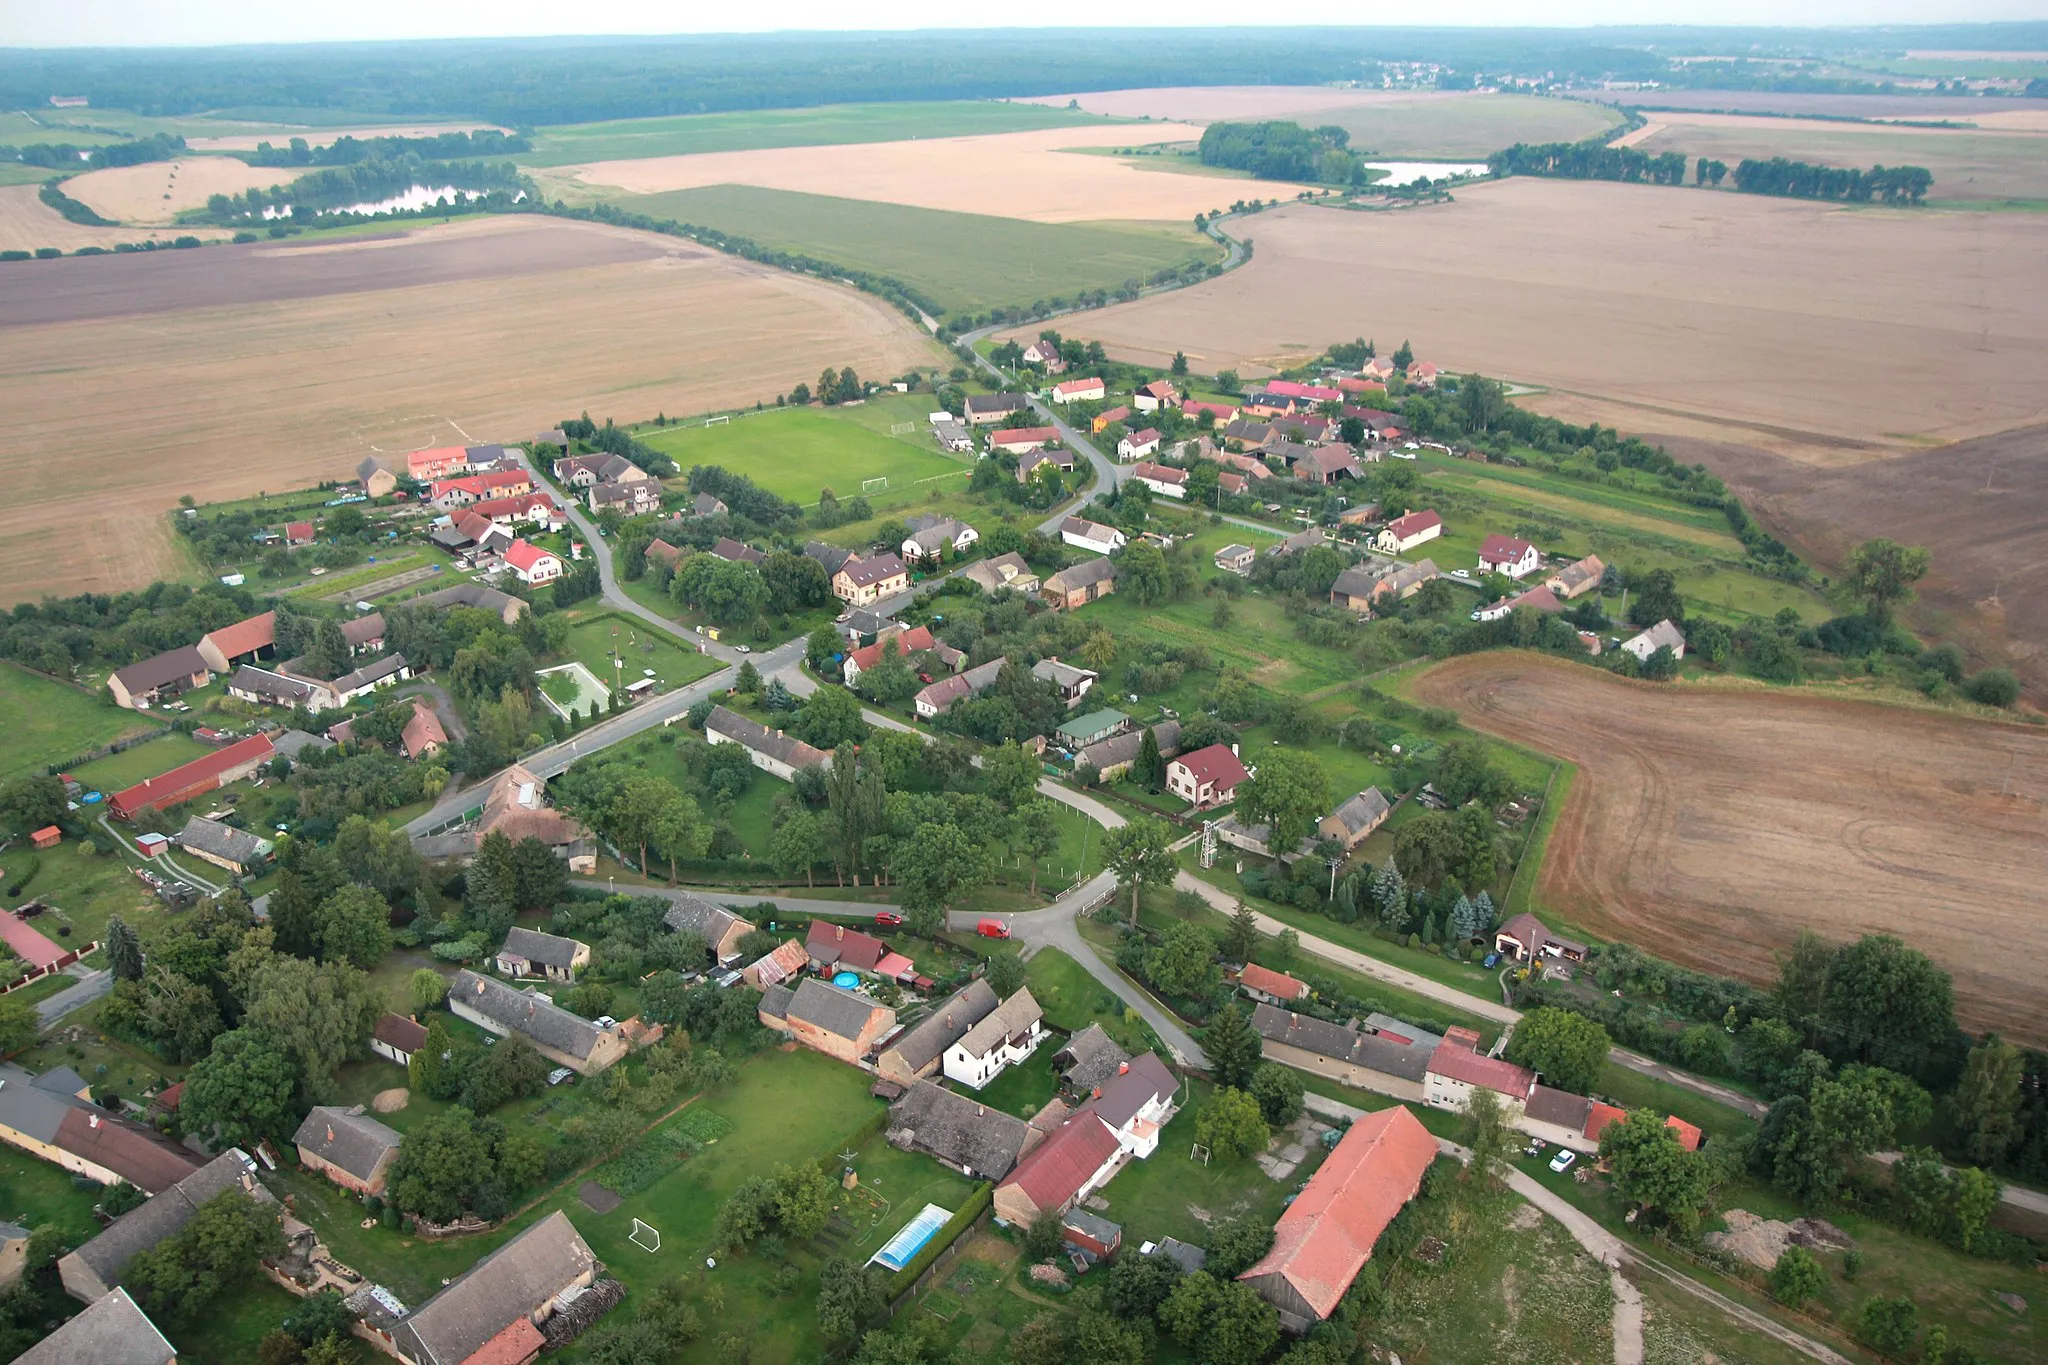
(744,649)
(1461,573)
(1562,1162)
(605,1021)
(559,1074)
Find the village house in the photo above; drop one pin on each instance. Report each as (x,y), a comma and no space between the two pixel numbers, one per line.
(377,481)
(491,1314)
(422,736)
(1207,413)
(1107,419)
(1045,355)
(733,552)
(396,1037)
(1004,571)
(940,697)
(1663,635)
(837,948)
(1538,598)
(1207,777)
(424,466)
(1403,534)
(831,558)
(1422,374)
(1162,479)
(1070,682)
(864,582)
(1457,1068)
(771,751)
(479,596)
(1077,1159)
(464,489)
(529,952)
(1577,579)
(113,1330)
(1351,822)
(1079,391)
(516,805)
(785,962)
(1238,559)
(1233,483)
(51,1117)
(905,643)
(237,850)
(1138,445)
(246,641)
(533,565)
(1328,464)
(1524,937)
(94,1269)
(933,537)
(1299,541)
(1135,1104)
(208,772)
(918,1052)
(984,409)
(1080,584)
(1158,394)
(348,1147)
(1507,555)
(363,634)
(1267,403)
(563,1038)
(1004,1037)
(1092,536)
(588,471)
(1379,369)
(1081,731)
(637,499)
(1270,987)
(824,1018)
(162,677)
(1112,758)
(1021,441)
(1088,1059)
(1244,433)
(720,928)
(958,1131)
(708,505)
(1327,1233)
(1384,1055)
(1029,465)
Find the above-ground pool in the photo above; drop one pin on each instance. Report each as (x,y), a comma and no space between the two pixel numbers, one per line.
(911,1239)
(846,981)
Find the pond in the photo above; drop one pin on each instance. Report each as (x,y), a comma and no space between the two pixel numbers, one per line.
(1399,173)
(416,198)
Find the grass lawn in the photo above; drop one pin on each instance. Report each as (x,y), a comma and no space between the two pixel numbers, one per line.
(796,452)
(1072,1000)
(144,761)
(1173,1195)
(34,1192)
(1679,1329)
(83,891)
(1022,1090)
(50,722)
(822,126)
(1633,1090)
(232,1325)
(597,640)
(962,262)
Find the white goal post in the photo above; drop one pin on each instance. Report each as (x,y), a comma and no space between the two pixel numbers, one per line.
(880,485)
(718,421)
(644,1237)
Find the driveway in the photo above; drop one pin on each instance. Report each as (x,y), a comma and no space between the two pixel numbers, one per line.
(84,991)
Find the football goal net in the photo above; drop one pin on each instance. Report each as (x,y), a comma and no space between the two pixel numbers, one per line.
(644,1237)
(880,485)
(724,421)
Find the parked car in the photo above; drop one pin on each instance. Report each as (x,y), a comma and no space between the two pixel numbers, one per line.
(888,919)
(1492,960)
(1562,1162)
(1461,573)
(729,979)
(992,928)
(605,1021)
(561,1075)
(744,649)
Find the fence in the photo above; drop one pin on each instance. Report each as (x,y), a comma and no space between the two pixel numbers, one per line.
(38,973)
(947,1253)
(106,750)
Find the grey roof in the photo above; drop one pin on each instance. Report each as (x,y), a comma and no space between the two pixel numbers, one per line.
(263,683)
(927,1040)
(1124,748)
(1062,675)
(61,1080)
(775,1001)
(725,547)
(758,737)
(1235,550)
(1137,1084)
(1560,1107)
(960,686)
(1081,575)
(1086,529)
(995,402)
(550,950)
(1014,1016)
(202,835)
(831,557)
(1101,1229)
(112,1331)
(1187,1257)
(958,1129)
(527,1013)
(1244,429)
(469,595)
(1362,811)
(173,665)
(1357,581)
(613,491)
(358,631)
(368,468)
(355,1142)
(369,673)
(842,1014)
(1375,1051)
(1300,540)
(1663,634)
(291,743)
(494,1293)
(12,1232)
(863,572)
(1092,1057)
(699,916)
(707,505)
(143,1226)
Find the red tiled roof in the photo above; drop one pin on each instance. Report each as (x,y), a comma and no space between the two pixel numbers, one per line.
(523,554)
(423,729)
(1602,1115)
(1404,527)
(185,775)
(1077,386)
(1138,438)
(1272,982)
(298,530)
(1215,764)
(1055,1172)
(1326,1235)
(1688,1135)
(1013,436)
(1288,388)
(245,636)
(516,1345)
(1540,597)
(1115,414)
(1499,549)
(28,943)
(1225,411)
(426,459)
(1454,1057)
(1160,473)
(828,942)
(518,505)
(1232,483)
(907,643)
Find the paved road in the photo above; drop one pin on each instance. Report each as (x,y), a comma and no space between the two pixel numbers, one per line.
(87,989)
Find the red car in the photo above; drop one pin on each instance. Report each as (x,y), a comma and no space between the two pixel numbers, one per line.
(992,928)
(888,919)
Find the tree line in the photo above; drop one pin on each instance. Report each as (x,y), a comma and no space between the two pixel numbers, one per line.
(1592,159)
(1806,180)
(341,186)
(348,151)
(64,156)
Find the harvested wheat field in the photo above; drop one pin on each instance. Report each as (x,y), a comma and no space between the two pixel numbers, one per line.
(158,191)
(27,224)
(1738,311)
(130,380)
(1709,826)
(1009,175)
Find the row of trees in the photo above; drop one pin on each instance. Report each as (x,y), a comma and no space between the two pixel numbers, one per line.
(1806,180)
(1589,160)
(349,150)
(345,186)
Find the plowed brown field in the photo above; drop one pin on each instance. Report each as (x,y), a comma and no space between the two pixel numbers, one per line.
(130,380)
(1710,826)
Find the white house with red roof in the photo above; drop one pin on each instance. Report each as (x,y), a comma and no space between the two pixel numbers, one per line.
(462,490)
(1423,375)
(1155,395)
(1507,555)
(1045,355)
(1138,445)
(1457,1068)
(1022,440)
(1207,777)
(1405,533)
(1274,988)
(1162,479)
(533,564)
(298,533)
(904,642)
(1079,391)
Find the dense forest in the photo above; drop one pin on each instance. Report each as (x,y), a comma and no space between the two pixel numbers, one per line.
(349,151)
(1283,151)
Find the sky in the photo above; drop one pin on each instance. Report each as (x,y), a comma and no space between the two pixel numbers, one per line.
(40,23)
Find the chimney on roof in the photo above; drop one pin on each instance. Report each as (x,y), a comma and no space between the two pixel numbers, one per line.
(330,1132)
(1233,748)
(1122,1067)
(92,1120)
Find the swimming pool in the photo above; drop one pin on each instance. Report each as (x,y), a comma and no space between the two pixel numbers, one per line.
(846,981)
(911,1239)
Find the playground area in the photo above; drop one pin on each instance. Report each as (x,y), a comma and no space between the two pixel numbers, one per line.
(618,651)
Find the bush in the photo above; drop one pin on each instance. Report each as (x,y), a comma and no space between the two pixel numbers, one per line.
(1993,687)
(29,868)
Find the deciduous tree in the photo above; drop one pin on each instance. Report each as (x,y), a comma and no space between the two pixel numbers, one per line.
(1797,1277)
(1985,1105)
(1230,1125)
(1654,1169)
(1140,853)
(1290,792)
(1567,1049)
(241,1090)
(1882,572)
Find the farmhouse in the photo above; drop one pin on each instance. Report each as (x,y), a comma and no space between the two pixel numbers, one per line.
(1271,987)
(863,582)
(528,952)
(906,643)
(958,1131)
(1003,571)
(350,1148)
(1079,391)
(422,736)
(50,1117)
(1158,394)
(1206,413)
(1361,587)
(588,471)
(784,962)
(489,1315)
(1457,1067)
(1232,483)
(396,1037)
(1299,541)
(1524,937)
(563,1038)
(1423,375)
(1045,355)
(1080,584)
(1138,445)
(1507,555)
(1076,1160)
(720,928)
(939,697)
(112,1331)
(835,947)
(1113,757)
(917,1052)
(209,772)
(1093,728)
(464,489)
(826,1019)
(1162,479)
(1325,1237)
(377,481)
(243,642)
(1575,1121)
(94,1269)
(1007,1035)
(772,751)
(1089,1058)
(733,552)
(1237,559)
(1385,1055)
(985,408)
(532,564)
(1328,464)
(1092,536)
(1538,598)
(363,634)
(637,499)
(1663,635)
(933,536)
(298,533)
(1135,1103)
(516,805)
(478,596)
(1207,777)
(225,846)
(164,676)
(1577,579)
(1356,818)
(1029,465)
(1070,682)
(1405,533)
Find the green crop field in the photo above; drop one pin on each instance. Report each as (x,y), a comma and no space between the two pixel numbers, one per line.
(828,125)
(795,452)
(125,769)
(1471,127)
(965,262)
(49,722)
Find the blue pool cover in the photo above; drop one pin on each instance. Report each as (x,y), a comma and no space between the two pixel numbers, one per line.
(911,1239)
(846,980)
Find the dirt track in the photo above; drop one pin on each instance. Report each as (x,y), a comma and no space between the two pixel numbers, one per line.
(1709,826)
